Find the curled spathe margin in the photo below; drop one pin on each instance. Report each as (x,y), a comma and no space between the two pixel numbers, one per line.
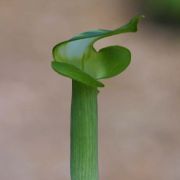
(77,59)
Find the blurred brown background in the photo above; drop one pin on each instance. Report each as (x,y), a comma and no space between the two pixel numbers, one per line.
(139,124)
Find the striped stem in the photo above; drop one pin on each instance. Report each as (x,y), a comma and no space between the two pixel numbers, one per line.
(84,132)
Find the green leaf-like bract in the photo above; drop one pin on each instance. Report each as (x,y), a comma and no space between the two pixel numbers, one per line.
(78,59)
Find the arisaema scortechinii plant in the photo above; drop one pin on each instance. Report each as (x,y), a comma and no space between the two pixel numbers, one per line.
(77,59)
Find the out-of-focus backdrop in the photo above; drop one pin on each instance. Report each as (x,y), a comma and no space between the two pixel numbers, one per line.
(139,111)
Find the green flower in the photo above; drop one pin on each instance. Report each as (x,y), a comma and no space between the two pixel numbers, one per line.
(77,59)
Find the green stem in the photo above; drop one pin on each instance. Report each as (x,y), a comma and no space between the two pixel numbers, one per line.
(84,132)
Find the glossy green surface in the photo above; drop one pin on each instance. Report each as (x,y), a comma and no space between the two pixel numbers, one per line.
(78,59)
(84,63)
(73,72)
